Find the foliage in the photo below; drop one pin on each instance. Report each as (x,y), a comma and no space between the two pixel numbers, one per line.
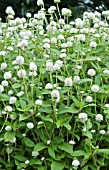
(54,96)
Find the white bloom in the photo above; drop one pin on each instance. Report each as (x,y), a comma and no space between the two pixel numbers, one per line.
(10,92)
(68,82)
(106,105)
(32,66)
(79,67)
(48,86)
(78,23)
(7,75)
(89,99)
(66,12)
(102,132)
(3,66)
(63,55)
(57,1)
(75,163)
(12,100)
(49,65)
(59,62)
(76,78)
(80,37)
(21,73)
(83,117)
(27,162)
(13,140)
(8,128)
(20,93)
(35,153)
(40,2)
(39,123)
(48,142)
(73,30)
(4,83)
(8,108)
(106,72)
(53,40)
(19,60)
(28,15)
(38,102)
(32,73)
(99,117)
(46,46)
(9,10)
(42,159)
(95,88)
(72,142)
(30,125)
(55,95)
(93,44)
(56,67)
(93,131)
(91,72)
(9,150)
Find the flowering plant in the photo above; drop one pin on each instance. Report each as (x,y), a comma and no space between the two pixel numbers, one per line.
(54,96)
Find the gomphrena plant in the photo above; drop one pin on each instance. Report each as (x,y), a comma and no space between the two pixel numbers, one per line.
(54,91)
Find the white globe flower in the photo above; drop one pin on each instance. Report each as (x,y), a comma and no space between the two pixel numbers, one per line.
(49,65)
(27,162)
(21,73)
(40,3)
(76,78)
(68,82)
(56,67)
(91,72)
(106,72)
(102,132)
(38,102)
(95,88)
(55,95)
(20,60)
(10,92)
(83,117)
(106,105)
(48,86)
(13,140)
(35,153)
(75,163)
(46,46)
(89,99)
(30,125)
(32,66)
(48,142)
(72,142)
(12,100)
(57,1)
(4,83)
(21,93)
(7,75)
(93,44)
(99,118)
(3,66)
(8,108)
(8,128)
(28,15)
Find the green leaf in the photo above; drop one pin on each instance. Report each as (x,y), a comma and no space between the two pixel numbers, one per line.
(57,165)
(61,78)
(84,80)
(103,151)
(79,153)
(16,85)
(4,97)
(23,116)
(78,103)
(20,158)
(89,124)
(40,146)
(98,79)
(28,142)
(23,104)
(51,152)
(35,161)
(67,125)
(48,119)
(66,147)
(9,136)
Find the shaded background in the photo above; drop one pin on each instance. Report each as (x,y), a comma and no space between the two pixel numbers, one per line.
(21,7)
